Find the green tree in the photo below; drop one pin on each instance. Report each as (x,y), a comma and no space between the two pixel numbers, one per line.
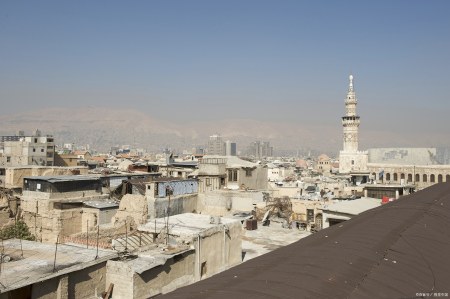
(19,230)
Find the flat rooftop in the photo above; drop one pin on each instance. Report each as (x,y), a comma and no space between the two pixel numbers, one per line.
(186,225)
(37,262)
(353,207)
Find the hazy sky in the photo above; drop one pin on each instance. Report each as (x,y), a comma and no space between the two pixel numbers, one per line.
(206,60)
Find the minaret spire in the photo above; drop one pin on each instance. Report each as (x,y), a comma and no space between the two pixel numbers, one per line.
(350,86)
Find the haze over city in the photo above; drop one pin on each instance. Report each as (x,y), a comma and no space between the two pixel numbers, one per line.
(266,68)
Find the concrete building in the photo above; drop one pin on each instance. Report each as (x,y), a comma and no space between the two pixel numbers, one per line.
(421,176)
(28,150)
(199,246)
(350,158)
(323,164)
(216,145)
(211,173)
(12,177)
(179,195)
(338,212)
(260,149)
(230,172)
(230,148)
(39,270)
(52,206)
(66,160)
(393,191)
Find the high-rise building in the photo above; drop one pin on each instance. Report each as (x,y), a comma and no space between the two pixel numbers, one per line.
(260,149)
(216,146)
(230,148)
(350,159)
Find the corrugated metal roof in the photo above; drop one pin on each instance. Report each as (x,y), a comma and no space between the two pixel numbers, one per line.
(394,251)
(101,204)
(63,178)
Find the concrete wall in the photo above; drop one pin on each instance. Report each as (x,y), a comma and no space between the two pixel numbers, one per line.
(88,282)
(166,278)
(219,250)
(59,195)
(82,284)
(134,206)
(46,223)
(224,202)
(353,161)
(173,274)
(157,207)
(256,181)
(208,183)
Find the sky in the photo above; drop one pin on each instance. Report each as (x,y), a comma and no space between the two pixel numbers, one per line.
(274,61)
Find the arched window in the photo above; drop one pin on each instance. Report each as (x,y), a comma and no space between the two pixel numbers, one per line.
(402,176)
(388,176)
(440,178)
(417,177)
(425,179)
(395,177)
(409,178)
(374,175)
(432,178)
(447,178)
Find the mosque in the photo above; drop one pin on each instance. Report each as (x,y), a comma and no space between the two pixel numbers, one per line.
(421,167)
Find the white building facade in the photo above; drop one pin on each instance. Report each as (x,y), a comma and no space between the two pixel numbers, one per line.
(29,150)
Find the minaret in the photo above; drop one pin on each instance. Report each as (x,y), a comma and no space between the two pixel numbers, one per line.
(350,121)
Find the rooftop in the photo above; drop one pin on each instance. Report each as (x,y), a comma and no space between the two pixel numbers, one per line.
(233,161)
(37,262)
(64,178)
(353,207)
(186,225)
(393,251)
(101,204)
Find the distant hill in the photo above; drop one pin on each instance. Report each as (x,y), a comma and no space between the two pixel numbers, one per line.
(105,127)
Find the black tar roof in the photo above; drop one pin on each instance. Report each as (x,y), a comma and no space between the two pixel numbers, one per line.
(63,178)
(394,251)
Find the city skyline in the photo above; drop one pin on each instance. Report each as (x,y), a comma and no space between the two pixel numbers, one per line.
(257,61)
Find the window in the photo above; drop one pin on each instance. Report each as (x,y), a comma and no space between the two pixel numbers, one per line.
(388,176)
(432,178)
(409,177)
(8,159)
(232,175)
(425,178)
(42,150)
(248,172)
(35,140)
(440,178)
(203,269)
(447,178)
(402,176)
(395,177)
(417,177)
(353,162)
(34,150)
